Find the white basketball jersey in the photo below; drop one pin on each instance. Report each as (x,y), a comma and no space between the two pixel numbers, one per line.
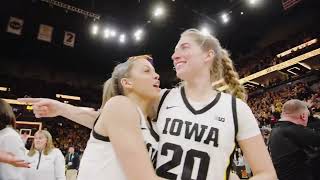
(196,144)
(99,161)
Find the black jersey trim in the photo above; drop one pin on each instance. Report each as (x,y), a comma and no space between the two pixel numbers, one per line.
(97,135)
(161,101)
(235,117)
(153,132)
(235,123)
(203,110)
(228,171)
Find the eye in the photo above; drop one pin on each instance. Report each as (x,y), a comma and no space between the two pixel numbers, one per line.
(147,70)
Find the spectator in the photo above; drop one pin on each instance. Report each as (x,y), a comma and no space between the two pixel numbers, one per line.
(10,141)
(289,140)
(47,162)
(72,163)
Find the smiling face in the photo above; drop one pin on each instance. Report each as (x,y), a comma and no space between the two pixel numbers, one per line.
(189,58)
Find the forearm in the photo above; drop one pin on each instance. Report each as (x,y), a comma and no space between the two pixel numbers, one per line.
(264,176)
(85,117)
(3,157)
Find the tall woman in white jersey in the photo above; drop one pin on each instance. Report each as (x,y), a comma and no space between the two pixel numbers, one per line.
(199,126)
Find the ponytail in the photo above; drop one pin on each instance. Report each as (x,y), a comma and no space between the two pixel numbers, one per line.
(108,91)
(231,77)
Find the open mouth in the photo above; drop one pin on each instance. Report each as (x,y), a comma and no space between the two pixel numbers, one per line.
(156,85)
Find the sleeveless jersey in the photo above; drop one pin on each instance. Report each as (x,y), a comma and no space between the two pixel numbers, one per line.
(199,144)
(99,161)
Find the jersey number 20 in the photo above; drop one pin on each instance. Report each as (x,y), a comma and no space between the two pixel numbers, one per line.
(163,170)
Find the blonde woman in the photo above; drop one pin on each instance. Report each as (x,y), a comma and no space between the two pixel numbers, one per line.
(201,126)
(46,161)
(123,144)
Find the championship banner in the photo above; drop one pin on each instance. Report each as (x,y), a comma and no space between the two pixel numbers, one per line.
(15,26)
(69,38)
(45,33)
(287,4)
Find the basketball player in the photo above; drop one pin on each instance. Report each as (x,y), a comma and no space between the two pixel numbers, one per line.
(198,126)
(117,146)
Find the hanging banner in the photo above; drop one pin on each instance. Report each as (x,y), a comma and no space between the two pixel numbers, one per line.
(69,38)
(15,25)
(45,33)
(287,4)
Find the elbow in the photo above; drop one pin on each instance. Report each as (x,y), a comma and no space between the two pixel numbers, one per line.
(271,176)
(267,175)
(272,173)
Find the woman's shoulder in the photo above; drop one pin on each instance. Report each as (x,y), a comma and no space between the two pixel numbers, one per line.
(10,134)
(55,152)
(118,101)
(9,131)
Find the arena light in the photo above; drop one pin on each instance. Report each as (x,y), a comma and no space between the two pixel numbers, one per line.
(277,67)
(4,89)
(158,11)
(68,97)
(106,33)
(14,101)
(122,38)
(94,29)
(242,13)
(253,2)
(225,18)
(138,34)
(205,30)
(113,33)
(301,46)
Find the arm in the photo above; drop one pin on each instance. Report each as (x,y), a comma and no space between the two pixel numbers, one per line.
(10,158)
(125,135)
(14,145)
(252,144)
(256,154)
(59,166)
(43,107)
(85,117)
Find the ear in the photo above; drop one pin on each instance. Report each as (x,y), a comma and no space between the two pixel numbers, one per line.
(303,116)
(126,83)
(209,56)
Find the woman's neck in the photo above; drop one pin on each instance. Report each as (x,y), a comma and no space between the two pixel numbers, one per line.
(39,150)
(143,104)
(199,89)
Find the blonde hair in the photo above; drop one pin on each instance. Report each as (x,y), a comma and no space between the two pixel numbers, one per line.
(49,144)
(112,87)
(293,106)
(222,67)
